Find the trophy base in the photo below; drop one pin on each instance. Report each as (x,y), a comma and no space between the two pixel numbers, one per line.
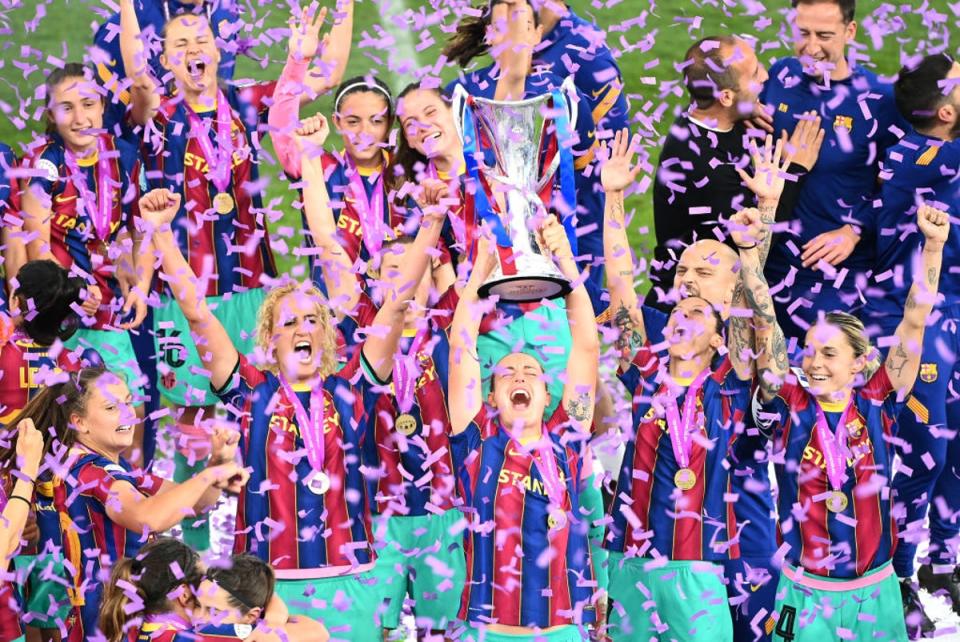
(525,288)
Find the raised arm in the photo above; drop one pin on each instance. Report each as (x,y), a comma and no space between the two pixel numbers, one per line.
(903,360)
(616,175)
(514,51)
(36,221)
(466,383)
(580,387)
(334,49)
(381,343)
(144,92)
(14,516)
(158,209)
(343,286)
(772,362)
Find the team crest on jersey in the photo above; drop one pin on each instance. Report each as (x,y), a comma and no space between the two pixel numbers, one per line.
(783,107)
(49,170)
(928,372)
(843,122)
(854,428)
(242,631)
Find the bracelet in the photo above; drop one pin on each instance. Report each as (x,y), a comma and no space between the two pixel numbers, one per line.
(22,499)
(746,247)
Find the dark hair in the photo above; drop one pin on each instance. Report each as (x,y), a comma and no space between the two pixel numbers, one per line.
(368,83)
(470,38)
(57,76)
(247,579)
(51,408)
(46,292)
(407,162)
(159,568)
(847,7)
(708,69)
(918,91)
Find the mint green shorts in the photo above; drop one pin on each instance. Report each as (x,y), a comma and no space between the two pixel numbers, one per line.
(561,634)
(116,350)
(350,606)
(184,380)
(676,601)
(874,612)
(45,589)
(591,507)
(422,556)
(543,333)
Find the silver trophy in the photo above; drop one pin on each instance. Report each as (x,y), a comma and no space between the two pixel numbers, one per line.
(512,135)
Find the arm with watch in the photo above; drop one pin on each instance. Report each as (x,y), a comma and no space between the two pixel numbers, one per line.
(16,511)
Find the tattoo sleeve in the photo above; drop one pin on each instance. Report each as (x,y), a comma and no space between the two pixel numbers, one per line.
(580,408)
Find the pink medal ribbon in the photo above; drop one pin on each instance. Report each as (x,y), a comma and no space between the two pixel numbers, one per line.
(220,160)
(311,431)
(835,454)
(371,214)
(97,208)
(457,223)
(406,369)
(550,475)
(681,430)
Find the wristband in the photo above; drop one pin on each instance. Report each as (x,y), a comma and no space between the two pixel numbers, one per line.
(22,499)
(746,247)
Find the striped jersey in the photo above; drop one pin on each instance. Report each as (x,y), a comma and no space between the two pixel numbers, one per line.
(862,537)
(279,518)
(519,572)
(412,466)
(233,249)
(25,366)
(163,632)
(73,238)
(651,516)
(89,540)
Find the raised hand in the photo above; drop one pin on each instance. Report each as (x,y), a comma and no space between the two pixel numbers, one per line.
(159,207)
(804,145)
(305,32)
(554,239)
(29,448)
(223,445)
(310,137)
(617,171)
(747,228)
(768,171)
(935,225)
(833,247)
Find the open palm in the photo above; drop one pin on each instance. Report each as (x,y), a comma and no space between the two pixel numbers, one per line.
(618,171)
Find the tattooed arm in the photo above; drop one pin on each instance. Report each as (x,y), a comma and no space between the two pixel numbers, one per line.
(772,363)
(903,361)
(616,175)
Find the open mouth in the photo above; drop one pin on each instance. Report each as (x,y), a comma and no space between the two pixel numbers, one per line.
(123,430)
(196,68)
(520,399)
(433,138)
(304,351)
(819,378)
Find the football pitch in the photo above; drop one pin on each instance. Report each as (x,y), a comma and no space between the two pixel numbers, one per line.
(401,39)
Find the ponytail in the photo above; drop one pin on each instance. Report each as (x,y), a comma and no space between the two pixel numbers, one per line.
(118,595)
(470,38)
(46,295)
(140,586)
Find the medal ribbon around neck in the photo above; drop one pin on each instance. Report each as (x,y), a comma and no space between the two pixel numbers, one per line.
(220,160)
(311,424)
(835,449)
(681,425)
(406,369)
(457,223)
(370,213)
(545,462)
(99,208)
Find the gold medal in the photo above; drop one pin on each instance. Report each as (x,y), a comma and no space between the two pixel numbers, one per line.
(556,519)
(685,479)
(837,502)
(223,203)
(406,424)
(318,483)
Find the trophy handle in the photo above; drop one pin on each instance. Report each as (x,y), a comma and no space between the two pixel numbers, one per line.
(458,103)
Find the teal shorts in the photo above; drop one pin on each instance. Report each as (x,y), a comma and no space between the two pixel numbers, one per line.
(422,557)
(116,350)
(873,612)
(543,333)
(676,601)
(591,507)
(45,588)
(560,634)
(184,380)
(349,606)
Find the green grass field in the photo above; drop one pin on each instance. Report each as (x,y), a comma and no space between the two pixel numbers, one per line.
(648,38)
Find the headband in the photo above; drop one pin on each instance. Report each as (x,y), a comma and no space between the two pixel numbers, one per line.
(362,84)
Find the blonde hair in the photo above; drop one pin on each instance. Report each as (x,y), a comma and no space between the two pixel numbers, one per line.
(856,335)
(265,329)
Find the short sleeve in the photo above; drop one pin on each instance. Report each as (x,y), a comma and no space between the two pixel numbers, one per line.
(96,478)
(240,384)
(770,416)
(257,96)
(879,389)
(463,444)
(354,322)
(643,366)
(43,170)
